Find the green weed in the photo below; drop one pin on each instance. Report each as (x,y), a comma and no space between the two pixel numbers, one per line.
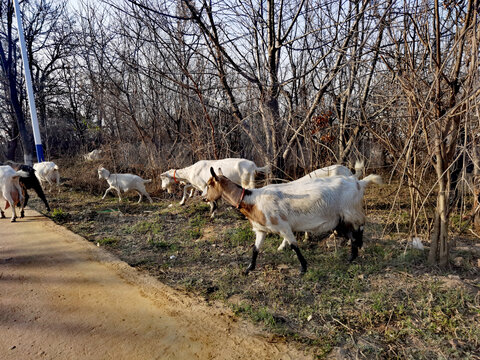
(238,236)
(107,241)
(260,314)
(145,227)
(59,216)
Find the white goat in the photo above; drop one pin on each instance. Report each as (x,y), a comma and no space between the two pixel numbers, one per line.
(335,170)
(10,189)
(124,182)
(47,172)
(240,171)
(318,205)
(93,155)
(332,170)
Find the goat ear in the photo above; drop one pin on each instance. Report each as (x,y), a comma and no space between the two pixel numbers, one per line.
(213,173)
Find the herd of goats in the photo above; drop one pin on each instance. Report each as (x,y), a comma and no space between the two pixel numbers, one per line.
(325,200)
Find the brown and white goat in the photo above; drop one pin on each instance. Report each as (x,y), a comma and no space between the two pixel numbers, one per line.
(317,205)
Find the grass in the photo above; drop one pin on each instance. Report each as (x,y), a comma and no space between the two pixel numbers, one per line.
(107,241)
(386,304)
(261,314)
(59,215)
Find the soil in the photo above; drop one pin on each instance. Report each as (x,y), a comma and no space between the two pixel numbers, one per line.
(62,297)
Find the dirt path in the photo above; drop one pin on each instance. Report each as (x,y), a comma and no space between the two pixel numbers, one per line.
(63,298)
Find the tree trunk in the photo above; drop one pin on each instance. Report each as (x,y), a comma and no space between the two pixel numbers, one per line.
(476,203)
(439,248)
(12,142)
(270,118)
(22,128)
(476,187)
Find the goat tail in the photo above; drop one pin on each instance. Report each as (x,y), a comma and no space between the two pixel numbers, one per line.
(376,179)
(264,170)
(359,168)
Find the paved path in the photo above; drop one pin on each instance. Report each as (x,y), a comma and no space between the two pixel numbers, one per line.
(61,297)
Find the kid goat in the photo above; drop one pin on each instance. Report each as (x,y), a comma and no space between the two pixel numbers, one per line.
(124,182)
(240,171)
(318,205)
(47,173)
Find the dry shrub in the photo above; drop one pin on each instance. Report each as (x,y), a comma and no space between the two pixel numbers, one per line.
(81,175)
(122,158)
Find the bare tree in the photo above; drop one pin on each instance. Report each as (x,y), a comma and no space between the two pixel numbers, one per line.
(430,67)
(47,40)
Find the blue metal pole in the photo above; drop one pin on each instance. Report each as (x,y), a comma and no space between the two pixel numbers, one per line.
(28,80)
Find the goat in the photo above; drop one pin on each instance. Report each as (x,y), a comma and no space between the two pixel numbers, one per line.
(124,182)
(29,182)
(93,155)
(47,172)
(318,205)
(240,171)
(332,170)
(10,189)
(335,170)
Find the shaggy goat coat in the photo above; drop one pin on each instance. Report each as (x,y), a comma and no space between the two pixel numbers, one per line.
(240,171)
(316,205)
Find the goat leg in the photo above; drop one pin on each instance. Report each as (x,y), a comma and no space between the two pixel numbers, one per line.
(300,257)
(253,262)
(356,239)
(38,189)
(213,208)
(25,202)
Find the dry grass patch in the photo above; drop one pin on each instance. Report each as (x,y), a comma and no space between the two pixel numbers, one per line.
(386,304)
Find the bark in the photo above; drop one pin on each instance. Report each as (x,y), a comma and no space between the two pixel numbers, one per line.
(439,248)
(476,187)
(13,142)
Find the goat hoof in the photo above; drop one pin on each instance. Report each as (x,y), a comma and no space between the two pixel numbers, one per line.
(249,268)
(13,220)
(22,215)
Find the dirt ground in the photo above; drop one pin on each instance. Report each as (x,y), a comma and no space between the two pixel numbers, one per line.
(61,297)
